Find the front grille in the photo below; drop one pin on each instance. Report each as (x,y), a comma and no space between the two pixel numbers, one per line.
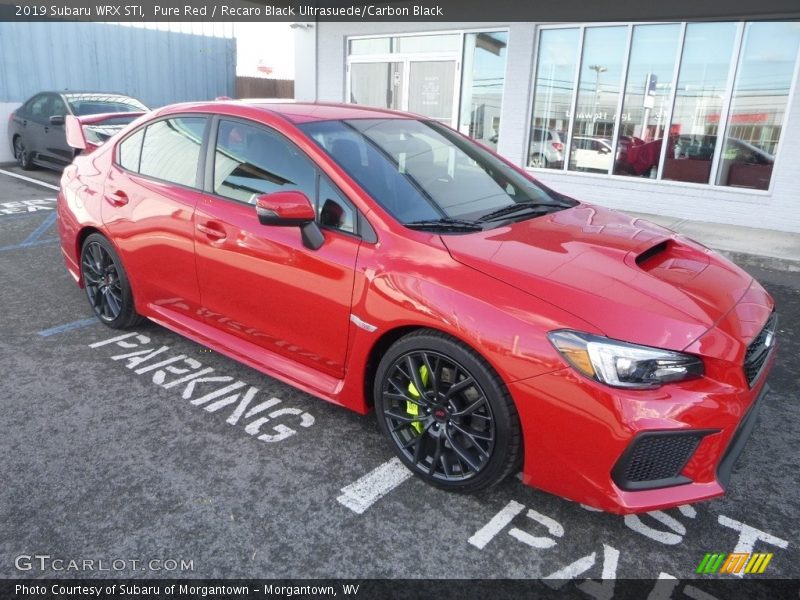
(656,459)
(759,349)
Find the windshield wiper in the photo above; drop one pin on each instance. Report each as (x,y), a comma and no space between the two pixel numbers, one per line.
(519,207)
(446,223)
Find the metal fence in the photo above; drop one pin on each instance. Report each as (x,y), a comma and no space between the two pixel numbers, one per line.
(156,66)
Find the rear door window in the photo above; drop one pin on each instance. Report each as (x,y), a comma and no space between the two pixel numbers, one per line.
(129,151)
(37,107)
(171,150)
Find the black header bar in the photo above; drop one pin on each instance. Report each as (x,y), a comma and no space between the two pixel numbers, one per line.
(496,11)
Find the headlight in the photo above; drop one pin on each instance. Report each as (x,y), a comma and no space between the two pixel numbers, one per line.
(620,364)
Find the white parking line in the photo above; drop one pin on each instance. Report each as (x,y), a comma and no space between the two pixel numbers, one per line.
(29,179)
(485,534)
(366,491)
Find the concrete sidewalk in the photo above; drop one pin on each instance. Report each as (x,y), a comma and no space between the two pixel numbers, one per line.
(759,247)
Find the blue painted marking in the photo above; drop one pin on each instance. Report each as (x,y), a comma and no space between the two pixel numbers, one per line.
(68,327)
(36,243)
(37,233)
(33,238)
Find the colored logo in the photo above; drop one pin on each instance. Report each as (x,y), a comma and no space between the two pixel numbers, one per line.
(734,563)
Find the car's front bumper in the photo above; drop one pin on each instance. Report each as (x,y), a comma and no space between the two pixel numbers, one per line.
(580,435)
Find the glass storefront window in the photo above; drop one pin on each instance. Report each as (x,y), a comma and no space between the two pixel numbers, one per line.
(760,95)
(484,67)
(712,93)
(647,96)
(553,90)
(598,95)
(699,98)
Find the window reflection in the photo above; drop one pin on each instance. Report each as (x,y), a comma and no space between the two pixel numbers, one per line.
(647,97)
(699,99)
(554,86)
(482,87)
(759,101)
(598,95)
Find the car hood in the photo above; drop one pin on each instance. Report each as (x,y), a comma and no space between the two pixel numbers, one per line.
(633,280)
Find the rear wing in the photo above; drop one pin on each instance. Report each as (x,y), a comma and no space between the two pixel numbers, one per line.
(78,129)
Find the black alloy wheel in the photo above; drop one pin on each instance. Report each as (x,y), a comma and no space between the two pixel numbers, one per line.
(446,413)
(22,155)
(106,283)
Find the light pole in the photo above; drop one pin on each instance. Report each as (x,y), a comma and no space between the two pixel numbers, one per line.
(597,69)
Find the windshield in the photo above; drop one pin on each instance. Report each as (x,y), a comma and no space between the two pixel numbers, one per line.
(420,170)
(95,104)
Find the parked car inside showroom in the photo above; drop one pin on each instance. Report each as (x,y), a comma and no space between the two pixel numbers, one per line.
(379,260)
(36,129)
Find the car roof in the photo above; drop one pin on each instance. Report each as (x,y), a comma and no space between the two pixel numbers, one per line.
(297,112)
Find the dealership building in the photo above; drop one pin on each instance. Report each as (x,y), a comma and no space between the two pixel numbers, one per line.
(697,120)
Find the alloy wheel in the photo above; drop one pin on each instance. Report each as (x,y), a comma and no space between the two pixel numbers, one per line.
(438,416)
(102,282)
(19,152)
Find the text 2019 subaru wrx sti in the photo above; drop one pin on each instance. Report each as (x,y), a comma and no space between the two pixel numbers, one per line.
(377,259)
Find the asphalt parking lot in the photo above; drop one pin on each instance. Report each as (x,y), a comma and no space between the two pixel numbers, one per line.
(151,447)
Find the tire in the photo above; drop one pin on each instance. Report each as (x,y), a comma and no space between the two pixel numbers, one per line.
(462,432)
(538,160)
(106,283)
(22,155)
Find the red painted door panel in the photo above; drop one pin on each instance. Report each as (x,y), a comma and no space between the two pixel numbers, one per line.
(151,224)
(260,283)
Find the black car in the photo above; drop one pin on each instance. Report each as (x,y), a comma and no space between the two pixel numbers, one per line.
(36,129)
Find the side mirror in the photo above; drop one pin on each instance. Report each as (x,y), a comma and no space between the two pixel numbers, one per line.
(284,209)
(287,209)
(57,120)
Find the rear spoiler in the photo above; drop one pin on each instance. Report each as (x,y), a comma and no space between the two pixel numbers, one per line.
(74,126)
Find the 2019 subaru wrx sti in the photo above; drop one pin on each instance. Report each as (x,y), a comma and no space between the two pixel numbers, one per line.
(374,258)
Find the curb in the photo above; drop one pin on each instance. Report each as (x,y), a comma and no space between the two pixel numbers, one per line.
(760,261)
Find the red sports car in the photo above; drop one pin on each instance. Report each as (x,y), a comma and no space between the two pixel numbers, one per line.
(378,259)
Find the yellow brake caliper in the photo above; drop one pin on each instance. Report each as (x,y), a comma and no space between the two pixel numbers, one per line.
(411,408)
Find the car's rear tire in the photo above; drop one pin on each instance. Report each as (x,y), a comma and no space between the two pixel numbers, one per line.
(106,283)
(22,155)
(446,413)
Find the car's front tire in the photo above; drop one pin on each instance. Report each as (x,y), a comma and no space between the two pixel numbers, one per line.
(446,413)
(106,283)
(22,155)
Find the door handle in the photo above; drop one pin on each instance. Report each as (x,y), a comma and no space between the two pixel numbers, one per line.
(212,231)
(118,198)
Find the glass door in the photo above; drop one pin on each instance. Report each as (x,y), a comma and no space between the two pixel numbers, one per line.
(426,86)
(378,84)
(432,89)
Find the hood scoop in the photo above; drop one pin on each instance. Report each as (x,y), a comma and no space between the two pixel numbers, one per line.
(652,252)
(670,260)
